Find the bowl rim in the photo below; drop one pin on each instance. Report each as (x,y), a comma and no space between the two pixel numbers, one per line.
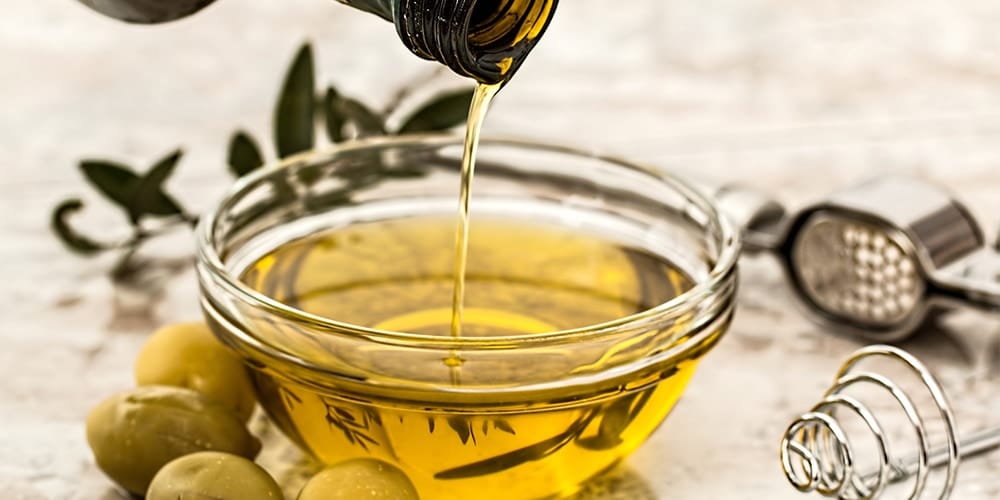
(720,277)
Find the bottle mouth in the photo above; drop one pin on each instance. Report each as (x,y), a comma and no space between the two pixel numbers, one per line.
(487,40)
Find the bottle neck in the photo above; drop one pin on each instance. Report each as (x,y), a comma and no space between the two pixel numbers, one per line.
(487,40)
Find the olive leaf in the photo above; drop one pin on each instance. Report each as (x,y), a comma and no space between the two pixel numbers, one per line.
(148,197)
(365,121)
(355,430)
(503,425)
(463,427)
(294,129)
(519,456)
(442,113)
(137,196)
(372,416)
(73,240)
(496,423)
(615,419)
(334,118)
(244,154)
(113,180)
(507,461)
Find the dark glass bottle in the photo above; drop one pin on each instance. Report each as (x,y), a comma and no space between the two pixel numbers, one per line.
(482,39)
(147,11)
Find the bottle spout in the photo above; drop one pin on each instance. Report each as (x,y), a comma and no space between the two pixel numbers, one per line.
(483,39)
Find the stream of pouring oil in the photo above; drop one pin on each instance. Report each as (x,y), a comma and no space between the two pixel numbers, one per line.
(481,101)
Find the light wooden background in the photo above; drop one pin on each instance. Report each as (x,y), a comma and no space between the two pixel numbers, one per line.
(793,96)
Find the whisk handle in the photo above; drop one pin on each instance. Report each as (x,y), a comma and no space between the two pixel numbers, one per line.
(980,442)
(972,445)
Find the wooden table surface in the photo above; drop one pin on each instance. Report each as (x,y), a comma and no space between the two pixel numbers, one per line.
(793,97)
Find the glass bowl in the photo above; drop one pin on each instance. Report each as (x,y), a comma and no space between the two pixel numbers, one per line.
(533,414)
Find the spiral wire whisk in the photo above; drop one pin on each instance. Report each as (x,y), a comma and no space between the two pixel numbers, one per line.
(817,454)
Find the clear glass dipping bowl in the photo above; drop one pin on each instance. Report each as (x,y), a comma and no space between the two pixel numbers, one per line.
(536,415)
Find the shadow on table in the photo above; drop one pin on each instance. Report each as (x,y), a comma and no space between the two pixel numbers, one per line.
(622,483)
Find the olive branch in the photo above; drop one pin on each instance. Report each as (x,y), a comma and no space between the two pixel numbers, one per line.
(300,115)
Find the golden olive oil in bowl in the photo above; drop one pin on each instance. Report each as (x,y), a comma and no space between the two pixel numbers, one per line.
(592,288)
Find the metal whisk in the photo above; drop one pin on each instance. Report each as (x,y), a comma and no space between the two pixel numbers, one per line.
(874,260)
(816,453)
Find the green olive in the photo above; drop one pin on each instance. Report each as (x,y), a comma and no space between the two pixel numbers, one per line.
(188,355)
(134,433)
(359,478)
(210,474)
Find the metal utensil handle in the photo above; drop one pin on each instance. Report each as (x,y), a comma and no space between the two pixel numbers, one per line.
(759,217)
(973,280)
(972,445)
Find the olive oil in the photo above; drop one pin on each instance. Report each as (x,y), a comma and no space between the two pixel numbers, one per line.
(522,278)
(481,101)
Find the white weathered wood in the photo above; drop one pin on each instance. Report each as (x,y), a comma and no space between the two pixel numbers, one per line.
(798,97)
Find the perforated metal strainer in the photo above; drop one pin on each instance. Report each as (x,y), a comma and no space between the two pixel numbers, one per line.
(875,259)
